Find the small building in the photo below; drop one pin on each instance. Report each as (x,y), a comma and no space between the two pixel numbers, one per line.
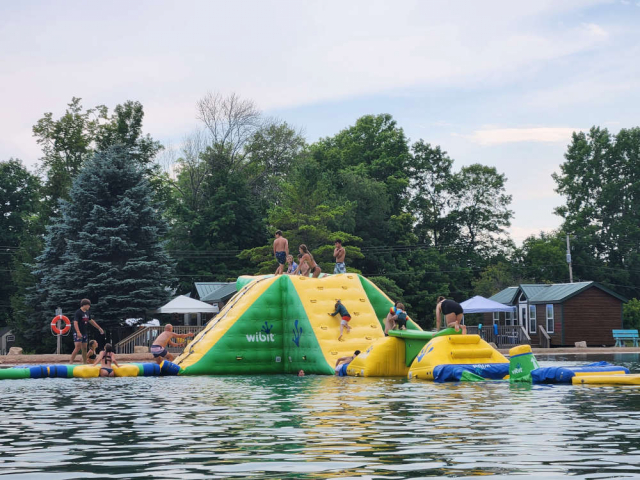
(567,312)
(7,339)
(214,293)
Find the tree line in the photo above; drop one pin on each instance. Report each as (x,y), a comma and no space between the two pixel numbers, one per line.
(113,215)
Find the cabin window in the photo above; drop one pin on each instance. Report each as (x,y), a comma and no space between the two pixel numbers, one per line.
(496,318)
(533,326)
(550,327)
(508,318)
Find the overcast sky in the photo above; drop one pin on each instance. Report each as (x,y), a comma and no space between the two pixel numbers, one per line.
(502,83)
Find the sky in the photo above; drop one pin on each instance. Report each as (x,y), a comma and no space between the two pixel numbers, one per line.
(501,83)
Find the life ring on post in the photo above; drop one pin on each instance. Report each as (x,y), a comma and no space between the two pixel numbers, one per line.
(65,329)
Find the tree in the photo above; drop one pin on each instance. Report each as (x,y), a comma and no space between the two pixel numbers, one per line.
(70,141)
(19,202)
(600,180)
(495,278)
(108,239)
(431,183)
(542,258)
(306,217)
(631,314)
(481,207)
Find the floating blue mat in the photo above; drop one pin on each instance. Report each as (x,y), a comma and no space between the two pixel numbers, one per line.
(453,373)
(565,374)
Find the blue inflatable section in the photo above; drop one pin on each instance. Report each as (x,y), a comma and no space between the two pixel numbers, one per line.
(169,368)
(150,369)
(565,374)
(453,373)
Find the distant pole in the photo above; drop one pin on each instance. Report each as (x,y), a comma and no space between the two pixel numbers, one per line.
(58,324)
(569,260)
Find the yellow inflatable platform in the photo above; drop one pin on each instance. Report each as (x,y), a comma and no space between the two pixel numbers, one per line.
(446,358)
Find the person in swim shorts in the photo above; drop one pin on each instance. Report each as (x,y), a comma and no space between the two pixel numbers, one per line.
(452,312)
(339,253)
(400,318)
(159,347)
(307,258)
(344,322)
(343,362)
(107,359)
(81,318)
(280,251)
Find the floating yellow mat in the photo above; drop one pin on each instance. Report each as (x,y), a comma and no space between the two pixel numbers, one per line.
(606,379)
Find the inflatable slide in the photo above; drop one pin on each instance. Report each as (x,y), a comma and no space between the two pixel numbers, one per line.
(282,325)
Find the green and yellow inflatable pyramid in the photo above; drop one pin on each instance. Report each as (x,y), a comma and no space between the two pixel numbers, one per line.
(282,325)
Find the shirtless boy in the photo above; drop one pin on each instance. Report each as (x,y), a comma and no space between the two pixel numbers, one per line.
(339,253)
(280,251)
(159,347)
(344,361)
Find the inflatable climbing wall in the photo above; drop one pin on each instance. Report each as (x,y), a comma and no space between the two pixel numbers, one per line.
(282,324)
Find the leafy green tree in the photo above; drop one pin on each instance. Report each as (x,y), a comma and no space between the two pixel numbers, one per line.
(496,278)
(19,202)
(305,217)
(431,200)
(108,239)
(600,182)
(71,140)
(543,258)
(631,314)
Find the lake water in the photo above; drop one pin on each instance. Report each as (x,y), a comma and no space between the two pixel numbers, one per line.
(317,427)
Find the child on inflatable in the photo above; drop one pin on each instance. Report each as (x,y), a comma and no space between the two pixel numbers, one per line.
(344,322)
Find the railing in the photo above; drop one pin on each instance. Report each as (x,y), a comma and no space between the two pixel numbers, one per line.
(145,336)
(545,339)
(507,336)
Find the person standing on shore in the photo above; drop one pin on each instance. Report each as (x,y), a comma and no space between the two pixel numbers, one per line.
(339,253)
(280,251)
(80,338)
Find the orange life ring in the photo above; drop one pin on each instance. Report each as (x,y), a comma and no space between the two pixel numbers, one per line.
(54,325)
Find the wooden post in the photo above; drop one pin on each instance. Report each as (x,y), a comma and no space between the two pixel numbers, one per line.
(59,325)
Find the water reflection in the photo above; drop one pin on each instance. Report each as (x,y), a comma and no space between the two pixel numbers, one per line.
(316,427)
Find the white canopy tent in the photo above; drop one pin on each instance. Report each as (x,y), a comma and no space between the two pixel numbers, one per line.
(186,306)
(480,304)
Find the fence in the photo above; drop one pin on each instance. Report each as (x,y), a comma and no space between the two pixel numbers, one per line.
(145,336)
(508,335)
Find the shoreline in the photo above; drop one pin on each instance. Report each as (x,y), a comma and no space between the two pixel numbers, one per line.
(52,359)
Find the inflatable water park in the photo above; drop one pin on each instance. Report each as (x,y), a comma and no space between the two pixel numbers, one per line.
(283,324)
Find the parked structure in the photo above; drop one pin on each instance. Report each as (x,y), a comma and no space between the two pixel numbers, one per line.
(7,340)
(214,293)
(561,314)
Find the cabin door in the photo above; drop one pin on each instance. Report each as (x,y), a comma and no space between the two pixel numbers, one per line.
(524,319)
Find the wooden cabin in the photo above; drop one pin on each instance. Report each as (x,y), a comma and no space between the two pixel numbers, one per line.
(567,312)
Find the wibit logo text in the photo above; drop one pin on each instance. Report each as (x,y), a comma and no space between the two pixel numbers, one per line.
(261,337)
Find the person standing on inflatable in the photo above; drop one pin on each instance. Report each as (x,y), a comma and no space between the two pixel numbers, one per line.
(280,251)
(339,253)
(80,338)
(452,312)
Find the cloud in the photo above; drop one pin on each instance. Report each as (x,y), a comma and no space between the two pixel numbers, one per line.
(497,136)
(595,30)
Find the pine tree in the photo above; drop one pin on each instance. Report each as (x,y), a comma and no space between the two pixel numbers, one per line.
(106,245)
